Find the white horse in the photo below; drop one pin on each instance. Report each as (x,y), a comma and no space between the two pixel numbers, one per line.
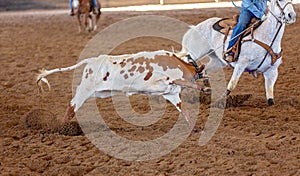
(202,40)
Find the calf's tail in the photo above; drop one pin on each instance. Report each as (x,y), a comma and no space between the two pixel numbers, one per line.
(41,77)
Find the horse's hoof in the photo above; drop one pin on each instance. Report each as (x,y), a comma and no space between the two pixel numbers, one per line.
(207,90)
(95,28)
(206,82)
(271,102)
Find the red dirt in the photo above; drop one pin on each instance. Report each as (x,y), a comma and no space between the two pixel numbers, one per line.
(252,139)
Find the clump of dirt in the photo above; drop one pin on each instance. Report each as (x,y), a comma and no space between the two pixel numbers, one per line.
(205,98)
(237,100)
(46,122)
(70,129)
(41,120)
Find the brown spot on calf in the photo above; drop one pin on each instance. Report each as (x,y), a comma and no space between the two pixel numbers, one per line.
(123,63)
(141,69)
(132,69)
(106,76)
(148,76)
(91,71)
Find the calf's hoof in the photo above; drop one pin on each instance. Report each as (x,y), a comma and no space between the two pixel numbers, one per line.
(271,102)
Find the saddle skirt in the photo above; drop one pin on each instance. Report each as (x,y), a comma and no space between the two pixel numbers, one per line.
(226,25)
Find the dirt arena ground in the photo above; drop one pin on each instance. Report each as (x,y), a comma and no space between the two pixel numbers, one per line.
(252,139)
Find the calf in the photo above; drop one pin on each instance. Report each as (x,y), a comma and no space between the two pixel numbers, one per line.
(154,73)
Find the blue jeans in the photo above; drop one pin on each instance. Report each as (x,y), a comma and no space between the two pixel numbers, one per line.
(71,4)
(244,19)
(94,3)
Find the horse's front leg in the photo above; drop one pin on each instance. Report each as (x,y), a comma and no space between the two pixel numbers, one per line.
(237,72)
(79,23)
(86,17)
(270,76)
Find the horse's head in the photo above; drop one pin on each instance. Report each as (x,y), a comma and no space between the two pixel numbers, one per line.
(283,10)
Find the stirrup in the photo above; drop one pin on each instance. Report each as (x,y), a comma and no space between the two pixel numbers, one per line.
(95,11)
(229,56)
(72,13)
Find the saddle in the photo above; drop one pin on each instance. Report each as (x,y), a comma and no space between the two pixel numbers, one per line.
(225,26)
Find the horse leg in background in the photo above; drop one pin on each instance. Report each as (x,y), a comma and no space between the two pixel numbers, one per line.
(86,16)
(95,21)
(270,76)
(88,21)
(99,9)
(79,22)
(237,72)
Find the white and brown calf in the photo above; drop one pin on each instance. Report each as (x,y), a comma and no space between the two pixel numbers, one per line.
(154,73)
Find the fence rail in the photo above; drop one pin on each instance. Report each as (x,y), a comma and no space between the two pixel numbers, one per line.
(120,3)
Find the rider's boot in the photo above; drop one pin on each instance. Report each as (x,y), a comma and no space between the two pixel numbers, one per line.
(229,56)
(95,10)
(72,12)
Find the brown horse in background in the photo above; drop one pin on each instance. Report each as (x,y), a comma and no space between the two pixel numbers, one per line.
(85,8)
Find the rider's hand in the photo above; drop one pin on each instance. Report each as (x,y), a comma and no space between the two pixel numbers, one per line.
(263,18)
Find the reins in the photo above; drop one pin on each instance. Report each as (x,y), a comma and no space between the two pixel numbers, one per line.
(269,48)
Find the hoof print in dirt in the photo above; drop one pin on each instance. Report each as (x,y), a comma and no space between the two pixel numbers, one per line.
(201,97)
(231,101)
(237,100)
(70,129)
(205,98)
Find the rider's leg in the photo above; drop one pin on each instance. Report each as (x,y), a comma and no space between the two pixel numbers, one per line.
(71,7)
(95,5)
(244,19)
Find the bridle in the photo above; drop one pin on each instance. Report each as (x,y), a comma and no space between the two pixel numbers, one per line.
(282,14)
(274,56)
(282,8)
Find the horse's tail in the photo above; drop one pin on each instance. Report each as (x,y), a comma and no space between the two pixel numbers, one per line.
(43,72)
(185,38)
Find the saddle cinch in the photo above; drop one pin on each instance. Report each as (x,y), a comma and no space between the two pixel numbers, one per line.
(225,27)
